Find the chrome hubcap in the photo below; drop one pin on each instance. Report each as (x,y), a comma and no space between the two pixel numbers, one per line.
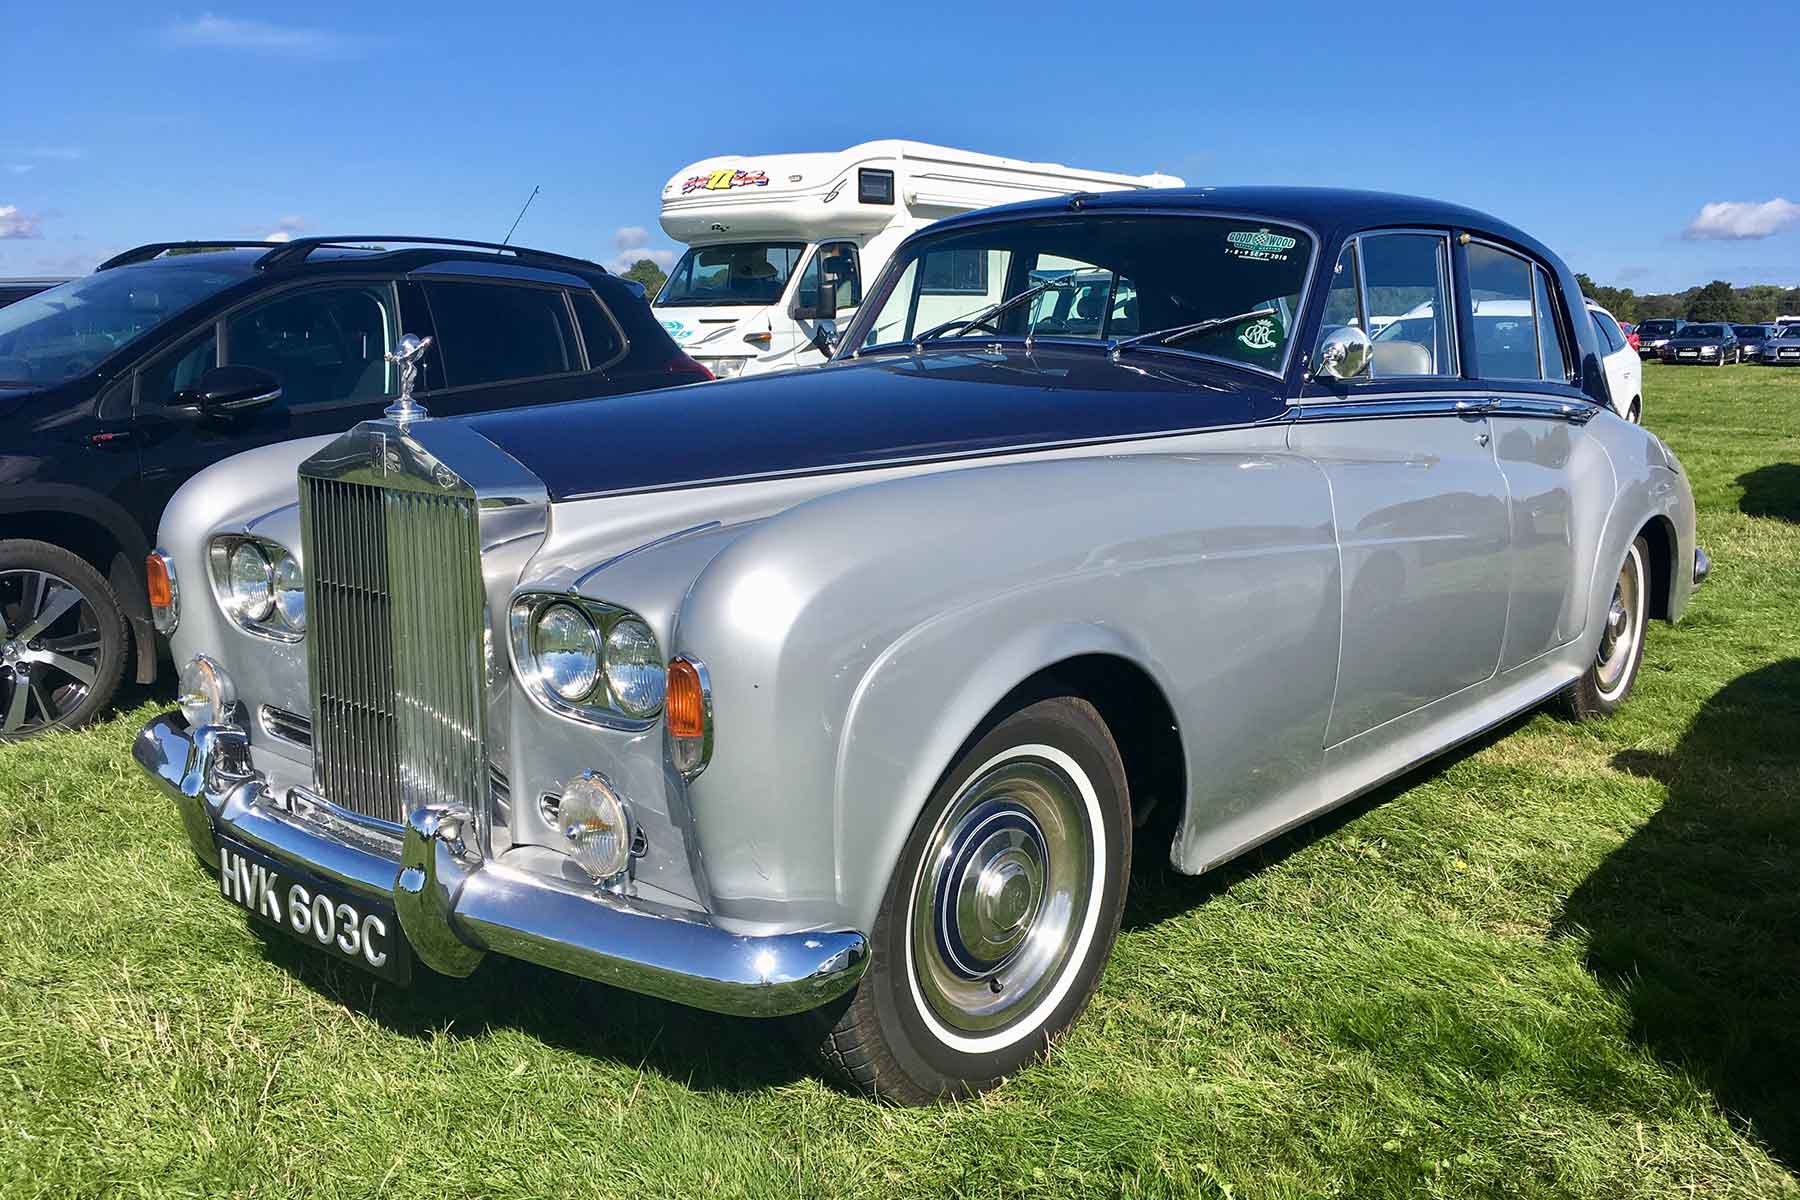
(1001,895)
(50,654)
(1624,619)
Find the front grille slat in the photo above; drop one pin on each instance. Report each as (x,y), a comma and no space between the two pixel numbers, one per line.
(394,588)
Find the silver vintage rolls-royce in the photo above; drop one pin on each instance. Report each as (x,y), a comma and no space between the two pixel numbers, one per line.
(842,696)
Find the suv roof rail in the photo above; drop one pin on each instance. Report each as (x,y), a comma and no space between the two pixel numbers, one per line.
(296,251)
(151,250)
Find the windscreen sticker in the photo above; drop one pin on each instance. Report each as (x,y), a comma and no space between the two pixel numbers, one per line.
(1259,245)
(721,181)
(1259,335)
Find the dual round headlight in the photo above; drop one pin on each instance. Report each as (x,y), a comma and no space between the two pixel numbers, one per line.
(592,656)
(262,585)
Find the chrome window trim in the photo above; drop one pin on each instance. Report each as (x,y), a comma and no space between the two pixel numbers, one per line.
(896,269)
(1461,403)
(1447,261)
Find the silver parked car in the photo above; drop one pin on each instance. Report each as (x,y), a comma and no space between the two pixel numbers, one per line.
(845,695)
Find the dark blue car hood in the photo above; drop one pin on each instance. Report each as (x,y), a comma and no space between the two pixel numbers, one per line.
(940,404)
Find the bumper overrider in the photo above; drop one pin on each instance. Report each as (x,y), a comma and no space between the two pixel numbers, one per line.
(455,905)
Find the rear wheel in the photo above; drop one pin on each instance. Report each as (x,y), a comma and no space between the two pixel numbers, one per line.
(1605,685)
(63,640)
(999,916)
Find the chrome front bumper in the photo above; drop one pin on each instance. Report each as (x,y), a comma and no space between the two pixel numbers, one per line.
(455,905)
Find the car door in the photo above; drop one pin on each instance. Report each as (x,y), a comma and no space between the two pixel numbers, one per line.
(508,342)
(1541,444)
(1419,502)
(323,342)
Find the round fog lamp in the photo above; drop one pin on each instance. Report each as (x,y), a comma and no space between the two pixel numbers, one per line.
(592,817)
(634,668)
(206,692)
(250,582)
(568,651)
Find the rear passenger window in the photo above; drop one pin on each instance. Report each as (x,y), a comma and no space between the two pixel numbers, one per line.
(493,332)
(1552,355)
(1609,333)
(1406,277)
(598,333)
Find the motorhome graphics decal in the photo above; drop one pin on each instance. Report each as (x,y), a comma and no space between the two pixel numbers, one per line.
(721,181)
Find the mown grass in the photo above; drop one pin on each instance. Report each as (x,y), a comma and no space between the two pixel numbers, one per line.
(1564,962)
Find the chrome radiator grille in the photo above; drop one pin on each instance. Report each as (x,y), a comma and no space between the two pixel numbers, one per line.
(394,616)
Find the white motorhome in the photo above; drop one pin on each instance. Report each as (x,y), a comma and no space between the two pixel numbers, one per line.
(746,297)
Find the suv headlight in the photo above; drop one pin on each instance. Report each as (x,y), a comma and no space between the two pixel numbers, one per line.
(260,586)
(584,659)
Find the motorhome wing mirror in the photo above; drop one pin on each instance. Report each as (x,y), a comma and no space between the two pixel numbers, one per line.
(825,337)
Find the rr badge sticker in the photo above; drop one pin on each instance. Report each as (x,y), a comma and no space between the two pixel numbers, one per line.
(1258,335)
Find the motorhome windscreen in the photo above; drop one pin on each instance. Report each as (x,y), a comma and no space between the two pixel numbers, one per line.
(1102,278)
(739,273)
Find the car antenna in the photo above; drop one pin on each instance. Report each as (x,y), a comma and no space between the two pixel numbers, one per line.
(520,217)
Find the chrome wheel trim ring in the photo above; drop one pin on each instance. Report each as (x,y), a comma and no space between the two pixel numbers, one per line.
(1624,628)
(50,648)
(1008,892)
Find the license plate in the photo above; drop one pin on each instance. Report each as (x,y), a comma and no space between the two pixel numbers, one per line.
(1688,353)
(1790,354)
(326,917)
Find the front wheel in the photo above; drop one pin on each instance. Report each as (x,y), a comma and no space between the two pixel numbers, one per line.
(62,640)
(999,916)
(1605,685)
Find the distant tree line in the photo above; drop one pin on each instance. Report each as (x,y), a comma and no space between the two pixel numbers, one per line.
(1716,301)
(646,272)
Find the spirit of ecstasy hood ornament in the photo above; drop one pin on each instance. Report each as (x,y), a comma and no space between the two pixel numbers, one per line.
(406,356)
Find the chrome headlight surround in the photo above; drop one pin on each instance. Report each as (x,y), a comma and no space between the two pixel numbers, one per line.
(281,616)
(608,701)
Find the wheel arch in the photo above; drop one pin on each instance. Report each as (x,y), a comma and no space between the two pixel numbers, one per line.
(1659,535)
(97,529)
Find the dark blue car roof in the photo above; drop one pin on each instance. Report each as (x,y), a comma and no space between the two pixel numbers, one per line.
(1331,212)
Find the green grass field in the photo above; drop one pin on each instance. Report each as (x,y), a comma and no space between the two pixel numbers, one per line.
(1564,962)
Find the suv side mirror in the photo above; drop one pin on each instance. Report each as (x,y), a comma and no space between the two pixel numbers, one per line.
(1344,353)
(233,390)
(825,336)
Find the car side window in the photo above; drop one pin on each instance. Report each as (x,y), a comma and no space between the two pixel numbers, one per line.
(843,258)
(1406,279)
(492,332)
(1502,296)
(1609,333)
(599,333)
(1553,356)
(327,345)
(163,381)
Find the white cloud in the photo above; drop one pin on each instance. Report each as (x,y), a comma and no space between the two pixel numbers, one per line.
(630,237)
(1738,219)
(16,224)
(620,263)
(286,229)
(262,37)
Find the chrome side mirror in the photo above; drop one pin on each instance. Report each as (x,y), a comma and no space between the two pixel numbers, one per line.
(1344,353)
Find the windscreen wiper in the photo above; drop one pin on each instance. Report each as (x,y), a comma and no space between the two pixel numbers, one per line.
(993,310)
(1177,333)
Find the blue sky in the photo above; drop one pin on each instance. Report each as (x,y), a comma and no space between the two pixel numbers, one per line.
(1604,129)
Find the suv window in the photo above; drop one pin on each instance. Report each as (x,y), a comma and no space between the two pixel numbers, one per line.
(326,345)
(599,334)
(178,370)
(492,332)
(1406,277)
(849,288)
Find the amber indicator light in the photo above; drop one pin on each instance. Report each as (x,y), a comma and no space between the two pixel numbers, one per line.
(684,703)
(161,594)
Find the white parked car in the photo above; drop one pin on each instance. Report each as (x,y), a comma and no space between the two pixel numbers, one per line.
(1624,369)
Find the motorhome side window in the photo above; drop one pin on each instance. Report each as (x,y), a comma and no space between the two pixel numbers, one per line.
(956,273)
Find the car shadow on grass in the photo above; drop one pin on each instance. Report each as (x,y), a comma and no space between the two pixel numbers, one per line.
(1159,892)
(703,1050)
(1771,491)
(1695,920)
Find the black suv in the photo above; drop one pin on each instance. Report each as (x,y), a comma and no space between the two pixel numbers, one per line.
(117,387)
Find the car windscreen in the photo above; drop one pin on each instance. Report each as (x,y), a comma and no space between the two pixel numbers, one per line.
(740,273)
(1749,331)
(54,336)
(1656,328)
(1703,331)
(1102,278)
